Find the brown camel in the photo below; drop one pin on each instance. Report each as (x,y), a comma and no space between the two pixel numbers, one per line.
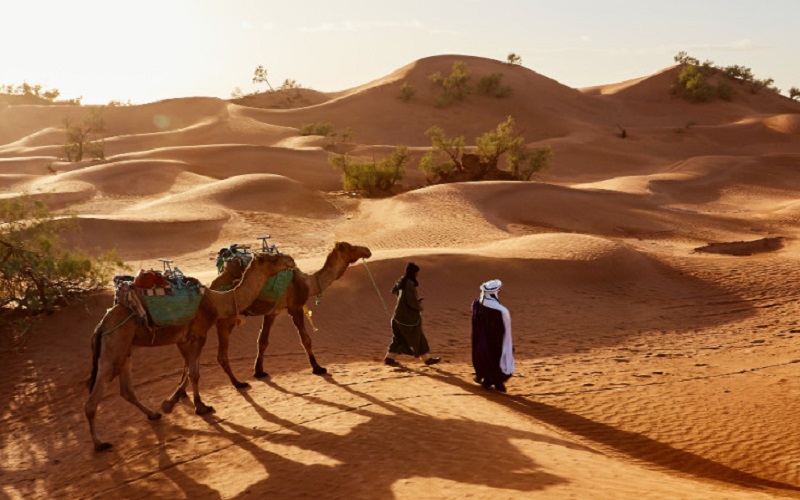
(118,332)
(300,289)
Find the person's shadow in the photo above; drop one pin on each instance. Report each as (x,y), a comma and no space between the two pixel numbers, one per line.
(632,444)
(390,445)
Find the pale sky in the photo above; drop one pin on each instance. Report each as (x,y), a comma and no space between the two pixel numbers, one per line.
(146,50)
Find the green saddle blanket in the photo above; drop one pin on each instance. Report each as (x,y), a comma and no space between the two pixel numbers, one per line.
(276,285)
(173,306)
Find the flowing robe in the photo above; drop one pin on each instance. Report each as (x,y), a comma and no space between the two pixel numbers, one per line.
(407,335)
(492,346)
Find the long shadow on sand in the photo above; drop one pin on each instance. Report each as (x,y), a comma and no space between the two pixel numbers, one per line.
(391,445)
(631,444)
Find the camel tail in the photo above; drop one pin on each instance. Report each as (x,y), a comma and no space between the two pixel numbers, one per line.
(97,338)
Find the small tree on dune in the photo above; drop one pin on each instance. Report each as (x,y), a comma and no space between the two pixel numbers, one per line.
(443,163)
(36,271)
(513,59)
(260,76)
(83,138)
(794,93)
(454,87)
(372,178)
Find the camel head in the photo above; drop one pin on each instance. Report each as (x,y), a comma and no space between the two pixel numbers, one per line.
(351,253)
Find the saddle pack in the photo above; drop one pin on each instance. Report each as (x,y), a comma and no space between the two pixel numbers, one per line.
(160,298)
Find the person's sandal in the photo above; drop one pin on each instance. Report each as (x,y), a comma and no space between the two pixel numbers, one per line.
(432,361)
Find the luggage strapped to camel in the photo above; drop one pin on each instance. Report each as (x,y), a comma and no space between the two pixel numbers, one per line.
(160,298)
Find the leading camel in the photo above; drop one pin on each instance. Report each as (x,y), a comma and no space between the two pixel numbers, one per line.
(119,331)
(299,290)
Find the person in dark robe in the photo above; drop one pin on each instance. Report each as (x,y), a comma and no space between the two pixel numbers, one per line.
(407,335)
(492,346)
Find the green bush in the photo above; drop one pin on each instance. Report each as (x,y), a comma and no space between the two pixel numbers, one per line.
(36,272)
(318,128)
(447,160)
(370,177)
(407,91)
(794,93)
(454,87)
(490,85)
(513,59)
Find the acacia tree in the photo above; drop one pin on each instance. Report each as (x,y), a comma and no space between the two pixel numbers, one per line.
(794,93)
(260,76)
(36,271)
(443,163)
(514,59)
(83,137)
(447,160)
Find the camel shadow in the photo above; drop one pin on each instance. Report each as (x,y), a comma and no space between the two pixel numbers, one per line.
(388,445)
(631,444)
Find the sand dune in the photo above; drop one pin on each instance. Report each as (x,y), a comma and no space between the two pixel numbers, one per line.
(645,368)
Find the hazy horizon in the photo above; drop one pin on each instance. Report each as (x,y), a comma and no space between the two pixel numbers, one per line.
(158,50)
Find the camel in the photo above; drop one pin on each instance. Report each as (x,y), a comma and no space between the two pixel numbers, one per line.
(118,332)
(300,289)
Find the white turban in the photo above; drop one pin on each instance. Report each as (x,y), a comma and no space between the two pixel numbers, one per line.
(491,286)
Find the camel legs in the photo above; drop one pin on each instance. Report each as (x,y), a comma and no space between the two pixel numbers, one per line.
(299,320)
(263,342)
(105,374)
(191,371)
(224,330)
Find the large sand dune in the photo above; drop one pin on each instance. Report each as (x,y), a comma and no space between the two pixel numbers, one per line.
(645,368)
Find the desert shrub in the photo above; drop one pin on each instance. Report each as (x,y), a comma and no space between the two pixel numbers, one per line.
(407,91)
(83,138)
(370,177)
(521,162)
(447,160)
(513,59)
(794,93)
(28,90)
(443,163)
(693,83)
(454,87)
(36,271)
(317,128)
(491,85)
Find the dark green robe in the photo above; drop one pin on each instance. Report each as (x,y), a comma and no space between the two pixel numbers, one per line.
(407,336)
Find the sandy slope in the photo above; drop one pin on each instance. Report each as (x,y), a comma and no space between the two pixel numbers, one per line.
(644,369)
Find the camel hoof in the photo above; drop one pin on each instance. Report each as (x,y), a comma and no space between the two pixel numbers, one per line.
(102,446)
(154,416)
(167,406)
(261,375)
(320,370)
(241,385)
(204,410)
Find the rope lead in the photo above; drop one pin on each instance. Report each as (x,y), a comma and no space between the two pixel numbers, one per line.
(364,261)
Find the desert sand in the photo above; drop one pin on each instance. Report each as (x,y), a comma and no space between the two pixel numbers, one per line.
(646,368)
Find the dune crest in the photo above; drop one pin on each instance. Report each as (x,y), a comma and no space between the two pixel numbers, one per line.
(644,366)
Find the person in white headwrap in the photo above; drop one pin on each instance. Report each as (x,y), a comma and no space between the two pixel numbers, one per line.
(492,346)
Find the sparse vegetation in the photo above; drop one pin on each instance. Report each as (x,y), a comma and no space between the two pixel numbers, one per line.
(407,91)
(454,87)
(701,82)
(260,76)
(117,103)
(623,133)
(513,59)
(491,85)
(794,93)
(324,129)
(371,178)
(31,91)
(36,272)
(83,138)
(448,161)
